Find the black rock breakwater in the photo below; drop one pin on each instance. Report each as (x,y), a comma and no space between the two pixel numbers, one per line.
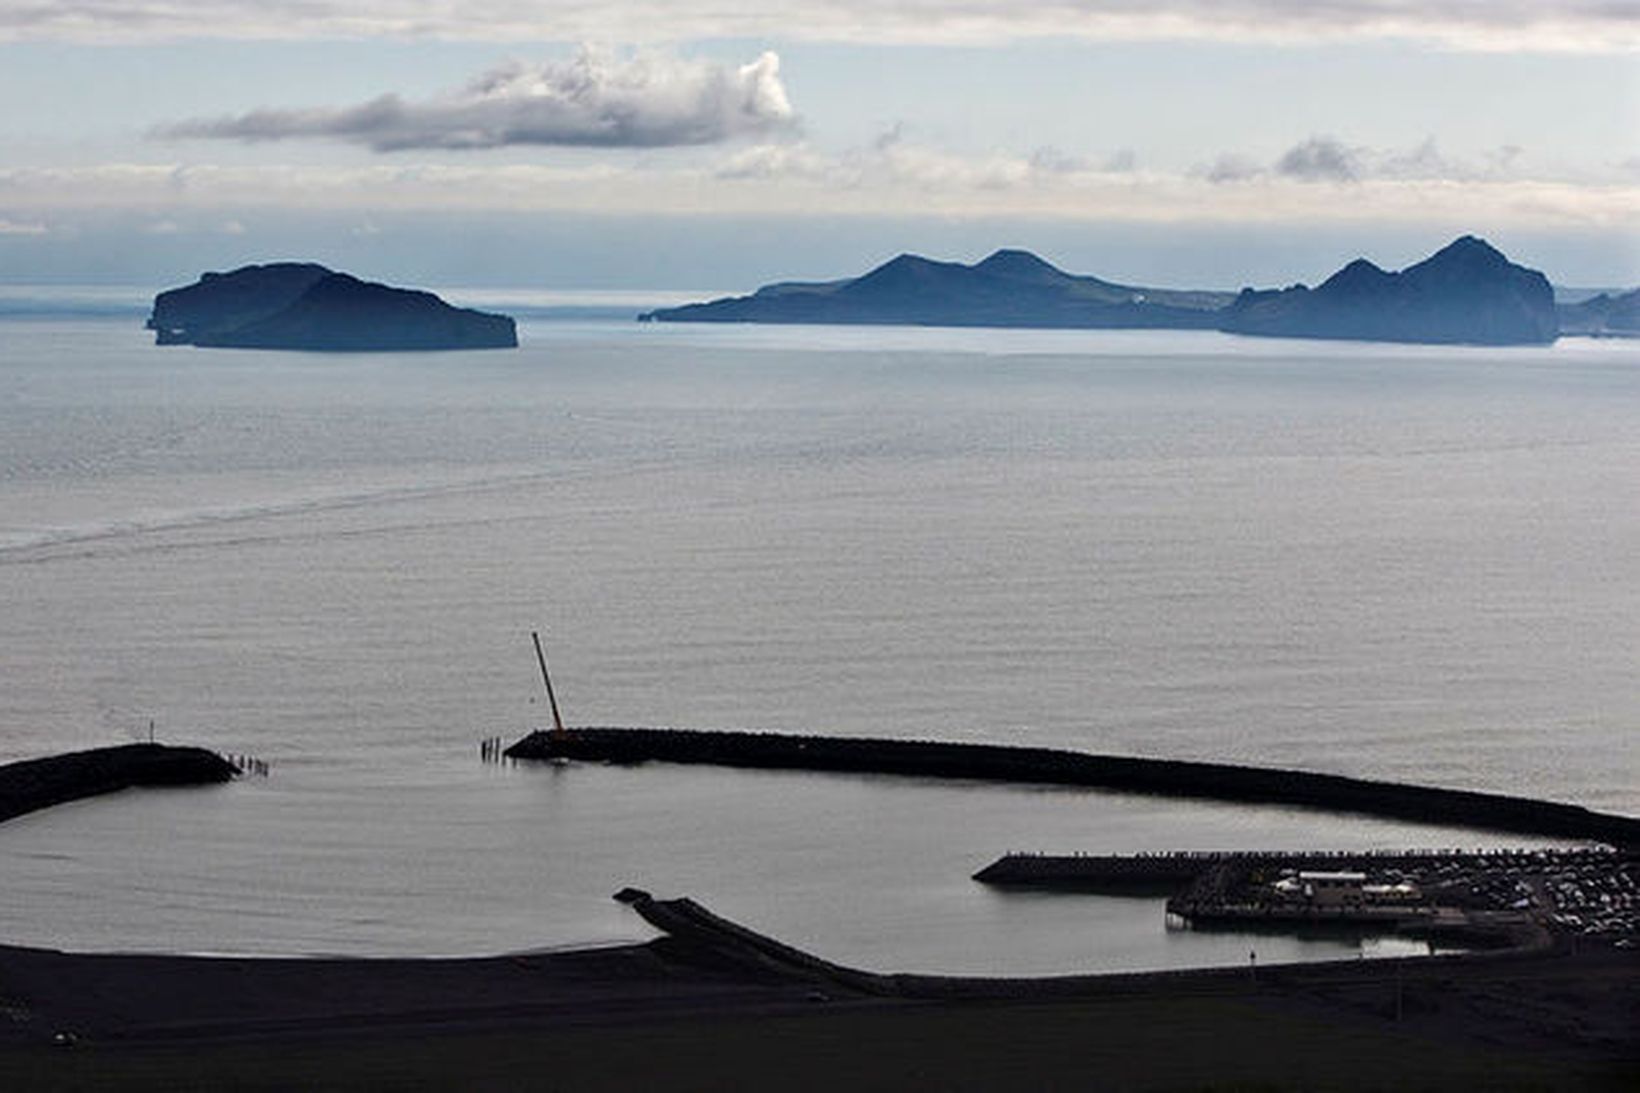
(1170,871)
(1049,766)
(40,783)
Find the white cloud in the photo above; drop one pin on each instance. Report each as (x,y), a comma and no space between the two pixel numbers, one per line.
(898,177)
(596,99)
(21,227)
(1523,25)
(893,159)
(771,161)
(895,174)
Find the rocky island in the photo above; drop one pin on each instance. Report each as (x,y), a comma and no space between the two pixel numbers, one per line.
(1467,293)
(300,305)
(1010,288)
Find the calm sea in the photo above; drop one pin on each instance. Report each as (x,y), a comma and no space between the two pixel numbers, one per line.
(1408,563)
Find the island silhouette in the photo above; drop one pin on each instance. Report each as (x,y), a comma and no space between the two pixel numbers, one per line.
(302,305)
(1466,293)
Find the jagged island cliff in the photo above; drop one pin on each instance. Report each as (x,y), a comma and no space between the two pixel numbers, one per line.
(299,305)
(1466,293)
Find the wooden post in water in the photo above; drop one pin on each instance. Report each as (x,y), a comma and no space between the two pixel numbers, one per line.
(557,722)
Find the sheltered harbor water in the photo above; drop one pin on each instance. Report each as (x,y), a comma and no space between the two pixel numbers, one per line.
(729,980)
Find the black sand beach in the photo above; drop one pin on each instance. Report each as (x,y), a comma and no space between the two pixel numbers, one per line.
(663,1013)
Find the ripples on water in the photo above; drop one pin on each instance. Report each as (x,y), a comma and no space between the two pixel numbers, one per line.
(1391,562)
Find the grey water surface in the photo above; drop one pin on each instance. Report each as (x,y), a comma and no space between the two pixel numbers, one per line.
(1395,562)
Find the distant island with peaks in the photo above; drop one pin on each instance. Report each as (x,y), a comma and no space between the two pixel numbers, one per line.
(302,305)
(1466,293)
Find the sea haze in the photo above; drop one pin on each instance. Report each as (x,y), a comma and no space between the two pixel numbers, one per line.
(1396,562)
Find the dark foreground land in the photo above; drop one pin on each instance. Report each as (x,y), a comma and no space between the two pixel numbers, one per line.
(692,1012)
(712,1005)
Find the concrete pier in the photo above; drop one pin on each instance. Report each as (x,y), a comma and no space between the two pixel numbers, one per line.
(1485,898)
(1177,868)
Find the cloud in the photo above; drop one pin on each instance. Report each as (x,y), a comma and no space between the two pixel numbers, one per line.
(775,161)
(1503,158)
(1121,161)
(902,179)
(596,99)
(1231,167)
(1517,25)
(1320,159)
(26,227)
(895,159)
(1054,160)
(1327,159)
(896,175)
(1426,161)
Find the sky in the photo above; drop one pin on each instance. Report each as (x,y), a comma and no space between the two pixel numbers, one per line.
(707,145)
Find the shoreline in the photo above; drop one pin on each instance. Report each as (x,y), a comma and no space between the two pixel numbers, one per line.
(712,1004)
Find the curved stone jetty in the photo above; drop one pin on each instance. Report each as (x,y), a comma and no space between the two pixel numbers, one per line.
(731,943)
(40,783)
(1163,777)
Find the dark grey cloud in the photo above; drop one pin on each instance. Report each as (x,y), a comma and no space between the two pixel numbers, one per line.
(596,99)
(1320,159)
(1328,159)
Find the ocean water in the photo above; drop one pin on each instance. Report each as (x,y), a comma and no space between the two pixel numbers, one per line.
(1398,562)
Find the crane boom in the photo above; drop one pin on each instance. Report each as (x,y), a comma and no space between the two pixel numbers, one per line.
(557,721)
